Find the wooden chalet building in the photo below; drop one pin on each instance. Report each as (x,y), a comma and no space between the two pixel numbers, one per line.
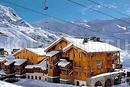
(38,71)
(74,60)
(12,66)
(9,67)
(19,67)
(33,55)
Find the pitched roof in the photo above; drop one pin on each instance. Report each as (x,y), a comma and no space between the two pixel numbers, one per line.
(38,51)
(52,53)
(41,65)
(55,42)
(9,62)
(19,61)
(63,63)
(91,46)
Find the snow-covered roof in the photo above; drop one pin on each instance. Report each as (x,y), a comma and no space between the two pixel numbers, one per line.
(38,51)
(2,72)
(91,46)
(52,53)
(105,74)
(10,56)
(41,65)
(19,61)
(63,62)
(2,59)
(65,48)
(54,43)
(9,62)
(6,84)
(29,66)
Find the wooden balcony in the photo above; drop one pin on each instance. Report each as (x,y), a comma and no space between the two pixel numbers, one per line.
(53,72)
(115,57)
(67,77)
(79,69)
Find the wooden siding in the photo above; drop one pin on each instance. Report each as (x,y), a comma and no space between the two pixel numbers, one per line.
(32,57)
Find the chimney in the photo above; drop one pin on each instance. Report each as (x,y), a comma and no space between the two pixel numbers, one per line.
(85,40)
(95,39)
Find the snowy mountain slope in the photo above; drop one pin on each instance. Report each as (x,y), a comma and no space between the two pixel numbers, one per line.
(114,28)
(17,33)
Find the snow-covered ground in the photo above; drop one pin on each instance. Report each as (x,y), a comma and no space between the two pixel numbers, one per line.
(122,85)
(5,84)
(37,83)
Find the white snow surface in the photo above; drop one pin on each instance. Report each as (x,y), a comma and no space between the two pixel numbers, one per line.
(38,83)
(5,84)
(105,74)
(63,62)
(38,51)
(9,62)
(19,61)
(121,27)
(90,46)
(52,53)
(10,56)
(17,33)
(41,65)
(2,72)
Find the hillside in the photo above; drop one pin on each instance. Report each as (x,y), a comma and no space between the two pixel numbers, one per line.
(112,28)
(17,33)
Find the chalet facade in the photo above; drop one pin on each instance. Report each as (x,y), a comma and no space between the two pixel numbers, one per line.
(9,66)
(38,71)
(19,67)
(72,60)
(33,55)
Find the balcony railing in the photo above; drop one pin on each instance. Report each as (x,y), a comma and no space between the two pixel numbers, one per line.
(67,77)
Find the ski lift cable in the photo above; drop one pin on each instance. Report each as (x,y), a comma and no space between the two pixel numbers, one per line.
(108,8)
(60,19)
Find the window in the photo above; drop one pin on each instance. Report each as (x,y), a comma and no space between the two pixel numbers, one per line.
(35,77)
(80,55)
(32,77)
(45,79)
(39,77)
(28,77)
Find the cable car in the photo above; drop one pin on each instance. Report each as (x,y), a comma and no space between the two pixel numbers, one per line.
(45,7)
